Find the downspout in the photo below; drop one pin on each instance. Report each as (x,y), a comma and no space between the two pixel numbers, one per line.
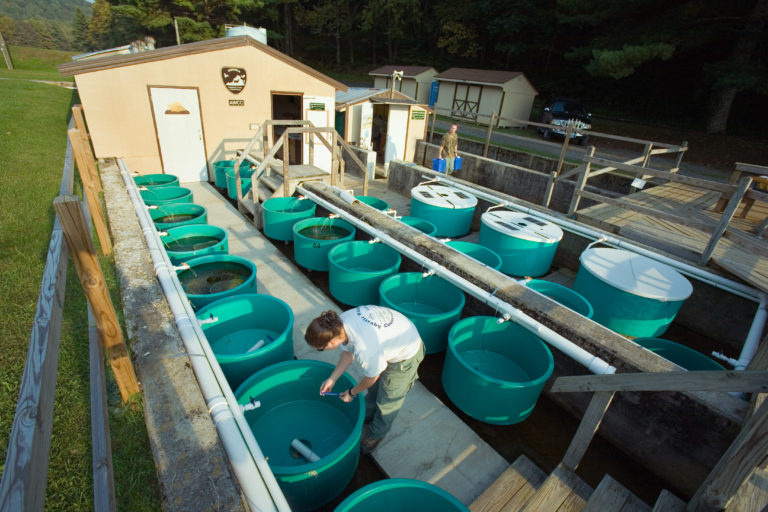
(758,321)
(253,474)
(591,362)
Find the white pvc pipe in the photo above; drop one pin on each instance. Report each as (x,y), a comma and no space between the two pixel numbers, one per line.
(758,321)
(590,361)
(256,480)
(305,451)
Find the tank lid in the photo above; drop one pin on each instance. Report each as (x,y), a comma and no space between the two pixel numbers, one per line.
(636,274)
(523,226)
(443,197)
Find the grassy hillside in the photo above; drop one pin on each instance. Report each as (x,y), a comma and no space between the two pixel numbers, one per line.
(34,118)
(36,63)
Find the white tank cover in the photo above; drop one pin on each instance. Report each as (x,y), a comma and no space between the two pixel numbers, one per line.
(523,226)
(443,197)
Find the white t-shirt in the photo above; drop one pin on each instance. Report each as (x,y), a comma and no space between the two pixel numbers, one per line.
(377,336)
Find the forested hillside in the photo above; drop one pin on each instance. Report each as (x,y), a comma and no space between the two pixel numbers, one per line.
(42,23)
(56,10)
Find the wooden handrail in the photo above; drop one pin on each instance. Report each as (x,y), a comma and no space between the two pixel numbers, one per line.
(743,381)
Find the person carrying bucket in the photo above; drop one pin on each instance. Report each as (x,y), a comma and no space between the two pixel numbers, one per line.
(450,145)
(386,345)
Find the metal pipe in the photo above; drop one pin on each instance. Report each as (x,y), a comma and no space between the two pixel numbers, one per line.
(590,361)
(758,321)
(256,480)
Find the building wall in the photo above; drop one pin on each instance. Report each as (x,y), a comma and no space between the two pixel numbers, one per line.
(117,107)
(445,97)
(416,131)
(352,128)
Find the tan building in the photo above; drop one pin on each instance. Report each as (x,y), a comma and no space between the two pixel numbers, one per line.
(476,93)
(179,109)
(381,120)
(416,81)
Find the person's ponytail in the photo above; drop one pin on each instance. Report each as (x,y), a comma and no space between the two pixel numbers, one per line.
(323,329)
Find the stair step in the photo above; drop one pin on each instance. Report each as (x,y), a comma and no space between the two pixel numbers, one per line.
(512,489)
(752,494)
(563,491)
(611,495)
(668,502)
(272,182)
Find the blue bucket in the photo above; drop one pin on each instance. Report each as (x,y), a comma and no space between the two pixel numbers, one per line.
(314,237)
(449,209)
(438,164)
(495,371)
(631,294)
(527,245)
(217,276)
(356,269)
(431,303)
(281,213)
(248,332)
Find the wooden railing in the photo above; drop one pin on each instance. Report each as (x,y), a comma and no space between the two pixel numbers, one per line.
(747,451)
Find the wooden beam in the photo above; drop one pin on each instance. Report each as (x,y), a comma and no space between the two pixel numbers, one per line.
(89,190)
(564,148)
(752,168)
(590,422)
(745,453)
(733,203)
(696,182)
(581,182)
(78,236)
(77,115)
(726,381)
(604,170)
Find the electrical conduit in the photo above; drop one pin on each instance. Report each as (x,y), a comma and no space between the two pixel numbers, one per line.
(256,480)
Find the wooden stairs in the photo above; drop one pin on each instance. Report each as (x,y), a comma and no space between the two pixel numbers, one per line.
(525,487)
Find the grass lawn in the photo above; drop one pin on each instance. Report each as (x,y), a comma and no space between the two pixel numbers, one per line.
(34,121)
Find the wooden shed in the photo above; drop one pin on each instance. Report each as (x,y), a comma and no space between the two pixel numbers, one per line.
(381,120)
(416,81)
(179,109)
(474,94)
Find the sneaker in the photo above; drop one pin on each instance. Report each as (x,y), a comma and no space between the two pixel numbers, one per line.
(368,444)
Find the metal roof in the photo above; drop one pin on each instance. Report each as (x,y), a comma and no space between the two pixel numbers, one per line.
(408,71)
(355,95)
(488,76)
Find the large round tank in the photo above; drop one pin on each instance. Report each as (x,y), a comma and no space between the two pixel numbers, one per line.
(245,181)
(356,269)
(526,244)
(292,409)
(216,276)
(563,295)
(431,303)
(684,357)
(186,242)
(495,371)
(166,195)
(631,294)
(479,252)
(248,332)
(449,209)
(314,237)
(181,214)
(401,495)
(422,225)
(281,213)
(156,180)
(374,202)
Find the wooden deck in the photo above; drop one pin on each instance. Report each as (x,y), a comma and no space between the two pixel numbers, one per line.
(740,252)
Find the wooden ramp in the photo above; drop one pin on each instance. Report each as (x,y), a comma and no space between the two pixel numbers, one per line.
(739,252)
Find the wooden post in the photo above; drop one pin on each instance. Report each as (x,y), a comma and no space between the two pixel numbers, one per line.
(90,193)
(335,161)
(736,198)
(286,155)
(432,130)
(78,237)
(489,134)
(6,55)
(590,422)
(679,159)
(548,191)
(747,451)
(580,183)
(564,149)
(77,115)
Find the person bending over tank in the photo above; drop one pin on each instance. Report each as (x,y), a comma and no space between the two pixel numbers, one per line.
(387,346)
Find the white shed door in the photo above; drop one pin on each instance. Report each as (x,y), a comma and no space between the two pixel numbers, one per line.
(180,132)
(366,125)
(320,111)
(397,126)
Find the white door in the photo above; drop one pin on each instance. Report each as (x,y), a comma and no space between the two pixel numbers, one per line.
(397,126)
(180,132)
(366,125)
(320,111)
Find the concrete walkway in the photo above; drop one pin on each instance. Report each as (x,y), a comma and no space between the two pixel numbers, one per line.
(428,441)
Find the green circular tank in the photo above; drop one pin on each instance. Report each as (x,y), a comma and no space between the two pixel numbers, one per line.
(220,168)
(495,371)
(181,214)
(281,213)
(401,495)
(356,269)
(431,303)
(166,195)
(216,276)
(186,242)
(374,202)
(156,180)
(562,294)
(314,237)
(422,225)
(245,182)
(292,408)
(479,252)
(682,356)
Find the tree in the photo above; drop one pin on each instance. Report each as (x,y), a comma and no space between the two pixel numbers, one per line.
(100,26)
(80,39)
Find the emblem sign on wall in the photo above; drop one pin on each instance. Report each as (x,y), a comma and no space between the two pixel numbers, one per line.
(234,79)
